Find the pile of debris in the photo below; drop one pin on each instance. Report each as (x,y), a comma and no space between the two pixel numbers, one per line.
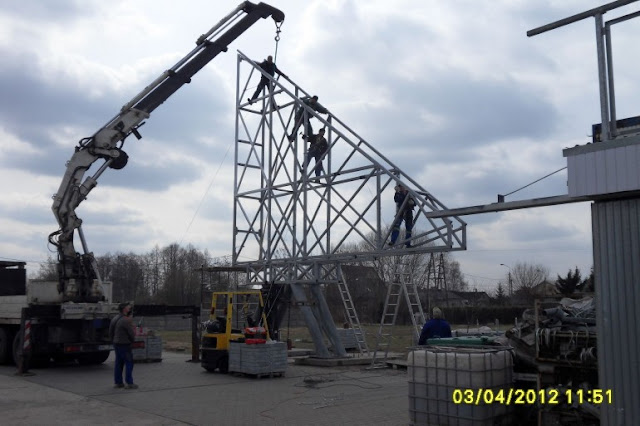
(561,333)
(555,346)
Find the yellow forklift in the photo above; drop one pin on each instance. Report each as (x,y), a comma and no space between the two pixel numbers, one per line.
(235,316)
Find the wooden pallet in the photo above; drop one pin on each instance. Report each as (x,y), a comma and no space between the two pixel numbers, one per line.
(258,375)
(147,360)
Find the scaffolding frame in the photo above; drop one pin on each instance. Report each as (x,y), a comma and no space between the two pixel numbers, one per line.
(291,227)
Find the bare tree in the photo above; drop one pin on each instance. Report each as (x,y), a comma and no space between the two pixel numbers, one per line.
(526,276)
(48,271)
(128,277)
(455,278)
(153,272)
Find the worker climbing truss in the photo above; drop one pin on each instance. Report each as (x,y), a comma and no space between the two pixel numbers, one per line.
(295,224)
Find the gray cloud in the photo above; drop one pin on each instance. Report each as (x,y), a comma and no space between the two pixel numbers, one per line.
(37,107)
(30,215)
(151,178)
(59,11)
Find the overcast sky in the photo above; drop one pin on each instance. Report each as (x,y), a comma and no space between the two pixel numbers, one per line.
(453,92)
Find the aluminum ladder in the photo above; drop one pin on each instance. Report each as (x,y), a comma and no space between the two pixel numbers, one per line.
(401,284)
(352,315)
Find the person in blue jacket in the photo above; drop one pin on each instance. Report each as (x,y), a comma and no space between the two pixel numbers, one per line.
(435,327)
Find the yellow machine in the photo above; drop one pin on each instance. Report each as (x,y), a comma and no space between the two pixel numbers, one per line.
(235,316)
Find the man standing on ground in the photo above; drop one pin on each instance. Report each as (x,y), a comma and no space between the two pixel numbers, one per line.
(436,327)
(270,68)
(122,336)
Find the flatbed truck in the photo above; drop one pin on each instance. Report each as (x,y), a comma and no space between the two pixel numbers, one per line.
(58,330)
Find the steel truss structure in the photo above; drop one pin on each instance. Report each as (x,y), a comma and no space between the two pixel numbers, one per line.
(293,227)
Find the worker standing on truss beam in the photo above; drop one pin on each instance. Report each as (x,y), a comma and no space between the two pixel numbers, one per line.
(317,147)
(404,211)
(311,102)
(270,68)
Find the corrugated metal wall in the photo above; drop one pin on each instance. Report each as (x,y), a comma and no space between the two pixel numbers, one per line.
(603,168)
(616,251)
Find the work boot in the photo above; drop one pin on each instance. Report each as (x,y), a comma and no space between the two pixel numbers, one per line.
(131,386)
(394,237)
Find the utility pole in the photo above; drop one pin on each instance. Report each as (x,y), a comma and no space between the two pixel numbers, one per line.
(510,281)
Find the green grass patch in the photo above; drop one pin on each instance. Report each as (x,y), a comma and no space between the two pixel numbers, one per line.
(402,337)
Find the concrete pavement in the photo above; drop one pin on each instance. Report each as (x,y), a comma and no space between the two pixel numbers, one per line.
(176,392)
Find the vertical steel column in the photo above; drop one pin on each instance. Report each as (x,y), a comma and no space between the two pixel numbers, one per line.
(331,136)
(602,79)
(616,253)
(612,92)
(325,316)
(234,252)
(379,240)
(314,329)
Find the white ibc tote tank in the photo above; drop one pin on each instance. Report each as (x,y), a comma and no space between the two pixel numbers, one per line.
(434,373)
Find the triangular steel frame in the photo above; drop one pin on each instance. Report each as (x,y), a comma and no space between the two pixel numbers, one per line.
(291,227)
(283,215)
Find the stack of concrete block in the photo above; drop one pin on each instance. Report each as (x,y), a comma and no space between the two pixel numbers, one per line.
(147,347)
(154,348)
(348,338)
(139,348)
(261,359)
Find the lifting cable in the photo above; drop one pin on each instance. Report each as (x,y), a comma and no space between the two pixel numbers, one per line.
(205,195)
(535,181)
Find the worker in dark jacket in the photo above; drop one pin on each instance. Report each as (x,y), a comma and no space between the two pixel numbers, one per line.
(404,211)
(302,116)
(435,327)
(317,148)
(122,335)
(270,68)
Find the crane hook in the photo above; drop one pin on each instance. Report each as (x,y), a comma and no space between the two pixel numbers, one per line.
(277,39)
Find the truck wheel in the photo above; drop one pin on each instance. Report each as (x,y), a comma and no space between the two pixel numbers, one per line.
(93,358)
(16,348)
(5,346)
(223,364)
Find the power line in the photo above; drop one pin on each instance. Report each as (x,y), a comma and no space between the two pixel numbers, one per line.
(205,195)
(478,276)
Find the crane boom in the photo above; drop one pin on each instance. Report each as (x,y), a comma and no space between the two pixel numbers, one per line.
(78,276)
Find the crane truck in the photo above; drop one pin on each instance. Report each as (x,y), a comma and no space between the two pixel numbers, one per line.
(69,318)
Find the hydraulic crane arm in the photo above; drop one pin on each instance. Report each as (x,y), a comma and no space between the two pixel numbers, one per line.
(79,279)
